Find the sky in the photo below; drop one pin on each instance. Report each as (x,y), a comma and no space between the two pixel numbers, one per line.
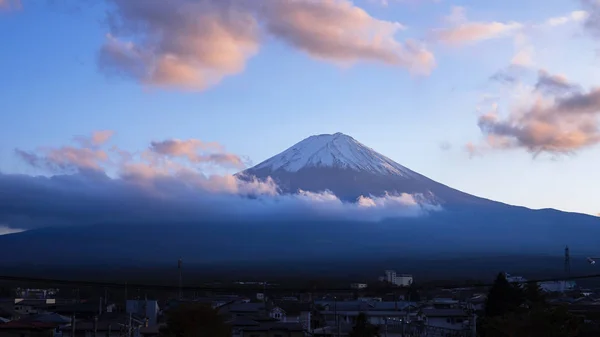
(497,99)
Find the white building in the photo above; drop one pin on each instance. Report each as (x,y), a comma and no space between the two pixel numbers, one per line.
(557,286)
(402,280)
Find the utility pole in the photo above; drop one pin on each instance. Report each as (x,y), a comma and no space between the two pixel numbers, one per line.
(335,312)
(95,326)
(130,326)
(73,325)
(179,263)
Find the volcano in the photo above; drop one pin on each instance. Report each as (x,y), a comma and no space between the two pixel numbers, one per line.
(348,168)
(464,225)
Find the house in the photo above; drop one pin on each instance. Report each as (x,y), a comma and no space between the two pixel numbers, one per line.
(150,331)
(478,301)
(8,314)
(108,324)
(27,329)
(273,329)
(33,306)
(378,313)
(451,319)
(144,308)
(290,312)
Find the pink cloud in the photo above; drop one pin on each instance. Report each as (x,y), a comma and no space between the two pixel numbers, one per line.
(197,151)
(194,45)
(10,5)
(558,118)
(462,31)
(152,186)
(180,43)
(340,32)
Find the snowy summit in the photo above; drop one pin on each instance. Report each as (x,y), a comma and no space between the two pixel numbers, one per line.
(334,151)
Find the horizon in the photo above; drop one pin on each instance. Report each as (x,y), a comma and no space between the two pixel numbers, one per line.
(151,101)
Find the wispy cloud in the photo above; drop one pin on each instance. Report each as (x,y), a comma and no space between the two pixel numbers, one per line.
(4,230)
(592,19)
(163,184)
(463,31)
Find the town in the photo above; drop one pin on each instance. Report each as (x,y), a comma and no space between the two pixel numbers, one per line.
(393,306)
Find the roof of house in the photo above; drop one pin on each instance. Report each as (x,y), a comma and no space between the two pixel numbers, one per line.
(429,312)
(366,306)
(277,326)
(46,318)
(243,321)
(246,307)
(293,308)
(16,325)
(6,312)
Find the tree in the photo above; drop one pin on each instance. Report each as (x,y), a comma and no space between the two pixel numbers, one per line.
(535,322)
(534,295)
(503,297)
(363,328)
(194,320)
(412,294)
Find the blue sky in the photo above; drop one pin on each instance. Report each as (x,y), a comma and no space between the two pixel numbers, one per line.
(54,87)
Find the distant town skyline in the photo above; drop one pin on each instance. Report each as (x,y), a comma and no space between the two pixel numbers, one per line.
(499,100)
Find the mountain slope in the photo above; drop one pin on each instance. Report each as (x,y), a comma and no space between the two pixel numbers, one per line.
(341,164)
(468,226)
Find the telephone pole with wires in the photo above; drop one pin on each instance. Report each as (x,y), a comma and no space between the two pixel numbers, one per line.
(179,263)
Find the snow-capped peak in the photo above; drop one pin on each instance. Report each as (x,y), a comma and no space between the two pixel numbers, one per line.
(333,150)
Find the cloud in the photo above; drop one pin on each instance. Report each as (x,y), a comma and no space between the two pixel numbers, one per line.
(10,5)
(555,117)
(194,45)
(163,184)
(575,16)
(592,19)
(180,43)
(4,230)
(191,149)
(96,139)
(463,31)
(386,3)
(445,146)
(340,32)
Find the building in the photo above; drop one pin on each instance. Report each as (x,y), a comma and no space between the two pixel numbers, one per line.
(401,280)
(144,308)
(358,285)
(557,286)
(27,329)
(451,319)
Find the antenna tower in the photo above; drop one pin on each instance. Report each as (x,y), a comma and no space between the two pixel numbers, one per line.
(567,262)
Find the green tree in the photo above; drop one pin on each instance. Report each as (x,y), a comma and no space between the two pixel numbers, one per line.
(412,294)
(503,297)
(534,322)
(534,295)
(363,328)
(194,320)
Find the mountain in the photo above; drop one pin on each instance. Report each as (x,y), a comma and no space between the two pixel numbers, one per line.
(468,226)
(349,169)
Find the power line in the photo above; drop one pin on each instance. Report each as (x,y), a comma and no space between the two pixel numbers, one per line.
(278,289)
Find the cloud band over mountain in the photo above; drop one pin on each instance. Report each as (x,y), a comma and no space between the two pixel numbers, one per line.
(93,182)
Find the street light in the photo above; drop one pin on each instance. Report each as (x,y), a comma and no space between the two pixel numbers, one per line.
(592,260)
